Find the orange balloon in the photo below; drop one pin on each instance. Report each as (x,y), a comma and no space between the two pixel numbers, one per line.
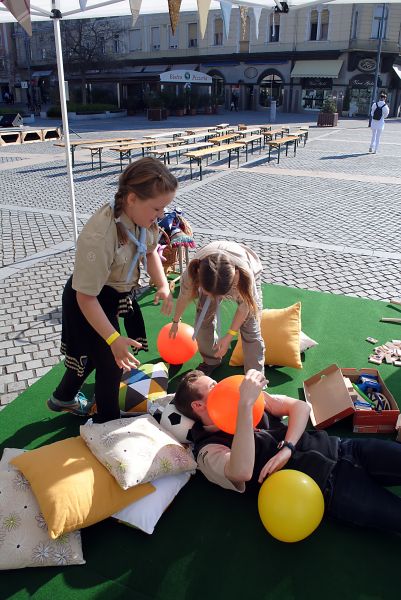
(222,404)
(179,349)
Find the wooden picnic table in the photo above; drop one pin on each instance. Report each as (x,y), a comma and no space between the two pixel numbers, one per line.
(76,143)
(283,141)
(173,134)
(250,141)
(224,138)
(249,130)
(125,150)
(165,152)
(199,155)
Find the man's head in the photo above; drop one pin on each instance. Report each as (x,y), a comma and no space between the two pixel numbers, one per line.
(191,395)
(383,96)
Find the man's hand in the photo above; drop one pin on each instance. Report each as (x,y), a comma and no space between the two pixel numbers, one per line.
(121,352)
(164,294)
(251,387)
(276,463)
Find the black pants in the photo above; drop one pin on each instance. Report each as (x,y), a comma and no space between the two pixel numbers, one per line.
(107,382)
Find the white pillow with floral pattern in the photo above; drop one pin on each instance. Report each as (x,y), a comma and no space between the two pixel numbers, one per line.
(24,540)
(136,450)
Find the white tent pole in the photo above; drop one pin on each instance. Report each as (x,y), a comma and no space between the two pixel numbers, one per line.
(60,69)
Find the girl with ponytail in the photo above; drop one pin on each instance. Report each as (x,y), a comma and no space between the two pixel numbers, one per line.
(224,270)
(116,241)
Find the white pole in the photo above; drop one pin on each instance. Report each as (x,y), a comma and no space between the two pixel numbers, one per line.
(60,69)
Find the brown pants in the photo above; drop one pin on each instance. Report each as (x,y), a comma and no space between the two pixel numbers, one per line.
(252,342)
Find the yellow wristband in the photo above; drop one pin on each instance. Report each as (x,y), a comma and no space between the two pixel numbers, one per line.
(232,332)
(112,338)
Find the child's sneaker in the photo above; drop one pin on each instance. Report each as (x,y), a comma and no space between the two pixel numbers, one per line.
(80,406)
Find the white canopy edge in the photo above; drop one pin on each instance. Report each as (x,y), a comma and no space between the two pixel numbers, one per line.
(40,9)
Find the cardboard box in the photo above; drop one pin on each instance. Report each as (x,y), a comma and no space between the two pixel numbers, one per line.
(330,401)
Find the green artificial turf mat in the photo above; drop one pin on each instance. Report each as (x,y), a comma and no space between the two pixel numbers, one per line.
(210,543)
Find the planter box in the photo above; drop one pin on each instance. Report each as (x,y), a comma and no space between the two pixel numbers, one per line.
(157,114)
(98,115)
(327,119)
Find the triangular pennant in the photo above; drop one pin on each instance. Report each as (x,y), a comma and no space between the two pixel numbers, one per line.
(243,12)
(20,9)
(203,10)
(174,10)
(135,6)
(257,11)
(225,8)
(82,4)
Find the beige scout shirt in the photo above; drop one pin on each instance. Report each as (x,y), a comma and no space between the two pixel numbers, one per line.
(212,460)
(100,260)
(240,255)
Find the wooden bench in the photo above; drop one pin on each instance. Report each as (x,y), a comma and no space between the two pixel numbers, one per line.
(77,143)
(302,134)
(125,149)
(31,135)
(284,141)
(51,133)
(173,134)
(199,155)
(250,141)
(165,152)
(10,137)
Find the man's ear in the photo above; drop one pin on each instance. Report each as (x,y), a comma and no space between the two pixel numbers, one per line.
(198,406)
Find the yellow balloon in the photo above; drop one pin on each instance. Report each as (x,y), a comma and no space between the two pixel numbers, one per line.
(291,505)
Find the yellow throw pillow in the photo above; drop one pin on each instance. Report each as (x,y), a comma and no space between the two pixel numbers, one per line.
(73,489)
(281,329)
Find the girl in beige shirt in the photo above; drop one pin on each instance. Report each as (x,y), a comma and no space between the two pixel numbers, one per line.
(113,244)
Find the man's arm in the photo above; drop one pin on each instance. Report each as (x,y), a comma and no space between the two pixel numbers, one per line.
(298,416)
(239,467)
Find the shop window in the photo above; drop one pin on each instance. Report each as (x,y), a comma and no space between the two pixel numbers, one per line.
(172,38)
(324,24)
(135,40)
(314,93)
(43,53)
(313,25)
(377,20)
(117,47)
(271,88)
(155,38)
(218,32)
(273,29)
(354,26)
(192,35)
(102,45)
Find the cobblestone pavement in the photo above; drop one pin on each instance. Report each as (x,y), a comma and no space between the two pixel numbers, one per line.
(327,219)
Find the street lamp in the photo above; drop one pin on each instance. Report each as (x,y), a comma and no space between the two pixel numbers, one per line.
(378,59)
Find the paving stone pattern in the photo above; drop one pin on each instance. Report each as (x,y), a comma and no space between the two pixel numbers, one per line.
(317,220)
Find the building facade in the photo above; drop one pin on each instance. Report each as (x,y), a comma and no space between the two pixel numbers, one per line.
(297,58)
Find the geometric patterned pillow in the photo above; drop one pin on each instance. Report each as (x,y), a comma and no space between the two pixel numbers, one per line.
(24,539)
(146,383)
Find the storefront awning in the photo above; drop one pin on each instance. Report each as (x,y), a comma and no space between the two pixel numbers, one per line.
(155,69)
(317,68)
(41,73)
(397,69)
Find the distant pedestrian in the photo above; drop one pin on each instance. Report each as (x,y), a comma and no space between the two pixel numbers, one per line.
(378,113)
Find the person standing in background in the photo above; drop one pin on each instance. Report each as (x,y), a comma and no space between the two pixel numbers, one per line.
(378,113)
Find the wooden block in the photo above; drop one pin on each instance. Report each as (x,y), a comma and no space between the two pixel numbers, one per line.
(375,360)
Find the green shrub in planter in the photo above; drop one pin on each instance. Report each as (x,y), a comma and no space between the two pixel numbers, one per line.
(329,106)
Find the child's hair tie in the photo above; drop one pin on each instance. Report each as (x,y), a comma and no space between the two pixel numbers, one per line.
(118,220)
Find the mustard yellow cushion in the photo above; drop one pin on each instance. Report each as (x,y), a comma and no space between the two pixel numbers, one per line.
(73,489)
(281,329)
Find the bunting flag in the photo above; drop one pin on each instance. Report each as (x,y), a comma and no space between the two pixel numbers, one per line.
(174,10)
(20,9)
(135,6)
(243,11)
(257,10)
(82,4)
(203,9)
(225,8)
